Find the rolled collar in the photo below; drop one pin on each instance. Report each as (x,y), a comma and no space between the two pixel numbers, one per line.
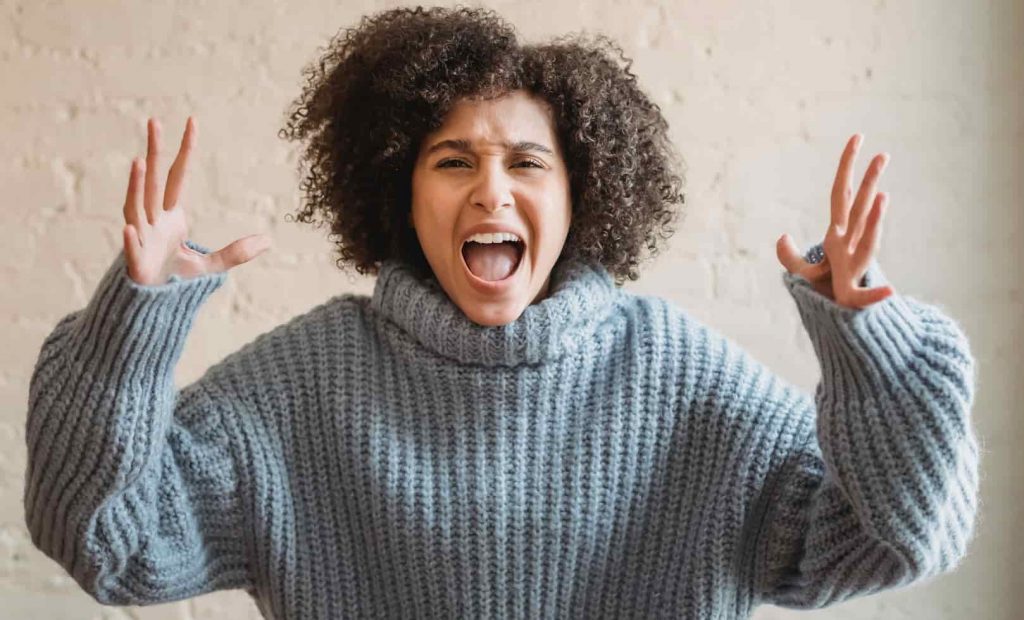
(581,295)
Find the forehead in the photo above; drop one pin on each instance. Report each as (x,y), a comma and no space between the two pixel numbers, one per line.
(516,116)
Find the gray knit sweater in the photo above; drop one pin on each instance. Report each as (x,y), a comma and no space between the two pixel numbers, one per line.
(606,455)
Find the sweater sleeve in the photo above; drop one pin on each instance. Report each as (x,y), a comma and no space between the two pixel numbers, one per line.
(883,489)
(131,486)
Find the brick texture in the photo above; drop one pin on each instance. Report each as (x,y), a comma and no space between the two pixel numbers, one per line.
(760,98)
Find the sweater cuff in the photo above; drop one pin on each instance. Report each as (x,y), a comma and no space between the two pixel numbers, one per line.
(861,350)
(136,328)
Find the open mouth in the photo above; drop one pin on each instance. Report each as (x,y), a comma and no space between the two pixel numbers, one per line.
(493,262)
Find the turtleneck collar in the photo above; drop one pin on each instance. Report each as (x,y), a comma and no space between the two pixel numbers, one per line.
(580,296)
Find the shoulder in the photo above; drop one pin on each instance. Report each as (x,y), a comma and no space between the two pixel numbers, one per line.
(713,371)
(341,316)
(673,326)
(335,325)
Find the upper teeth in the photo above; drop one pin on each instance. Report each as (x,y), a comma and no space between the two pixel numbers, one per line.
(493,237)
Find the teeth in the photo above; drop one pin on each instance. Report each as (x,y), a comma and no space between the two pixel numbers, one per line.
(493,237)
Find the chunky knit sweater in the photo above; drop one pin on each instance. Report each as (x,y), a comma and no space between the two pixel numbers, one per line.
(606,455)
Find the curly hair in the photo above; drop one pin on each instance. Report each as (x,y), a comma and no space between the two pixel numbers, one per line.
(380,88)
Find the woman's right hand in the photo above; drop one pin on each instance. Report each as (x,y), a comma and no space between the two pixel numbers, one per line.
(156,225)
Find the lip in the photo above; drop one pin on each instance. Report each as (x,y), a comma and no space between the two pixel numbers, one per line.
(492,227)
(492,287)
(489,287)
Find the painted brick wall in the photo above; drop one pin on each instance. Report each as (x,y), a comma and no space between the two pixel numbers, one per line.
(760,97)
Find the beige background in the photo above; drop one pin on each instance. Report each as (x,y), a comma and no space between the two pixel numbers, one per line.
(760,98)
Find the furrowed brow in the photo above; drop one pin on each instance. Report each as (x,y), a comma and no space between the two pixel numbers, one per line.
(525,145)
(464,146)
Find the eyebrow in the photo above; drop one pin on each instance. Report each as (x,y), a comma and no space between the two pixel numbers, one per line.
(464,146)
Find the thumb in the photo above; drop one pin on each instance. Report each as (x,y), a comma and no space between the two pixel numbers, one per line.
(237,252)
(793,260)
(788,254)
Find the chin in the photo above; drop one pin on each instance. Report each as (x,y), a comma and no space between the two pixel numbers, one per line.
(493,314)
(486,306)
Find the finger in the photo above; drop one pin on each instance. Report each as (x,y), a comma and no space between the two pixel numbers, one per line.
(152,194)
(237,252)
(868,244)
(788,254)
(865,198)
(132,246)
(842,185)
(133,212)
(861,298)
(792,259)
(176,176)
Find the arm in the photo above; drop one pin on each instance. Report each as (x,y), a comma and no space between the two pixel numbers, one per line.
(131,486)
(883,492)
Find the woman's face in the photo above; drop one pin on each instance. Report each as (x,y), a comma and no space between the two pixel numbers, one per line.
(493,166)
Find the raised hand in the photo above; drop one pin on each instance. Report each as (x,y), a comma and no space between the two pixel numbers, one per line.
(852,238)
(156,224)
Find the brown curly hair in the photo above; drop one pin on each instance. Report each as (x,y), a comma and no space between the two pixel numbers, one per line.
(380,88)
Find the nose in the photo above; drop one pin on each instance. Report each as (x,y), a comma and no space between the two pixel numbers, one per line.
(492,189)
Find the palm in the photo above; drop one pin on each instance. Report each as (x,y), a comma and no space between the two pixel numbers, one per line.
(156,223)
(162,248)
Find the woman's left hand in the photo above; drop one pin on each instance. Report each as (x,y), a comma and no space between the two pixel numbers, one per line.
(851,240)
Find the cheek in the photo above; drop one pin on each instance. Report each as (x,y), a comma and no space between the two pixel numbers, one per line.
(423,209)
(434,224)
(550,223)
(557,214)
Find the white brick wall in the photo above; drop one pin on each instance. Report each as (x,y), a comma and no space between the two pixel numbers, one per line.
(760,97)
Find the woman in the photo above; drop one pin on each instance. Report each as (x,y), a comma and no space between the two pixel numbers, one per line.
(499,430)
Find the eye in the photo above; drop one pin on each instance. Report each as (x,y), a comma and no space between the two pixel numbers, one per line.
(446,163)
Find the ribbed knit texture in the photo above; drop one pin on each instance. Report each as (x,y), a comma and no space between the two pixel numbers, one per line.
(606,455)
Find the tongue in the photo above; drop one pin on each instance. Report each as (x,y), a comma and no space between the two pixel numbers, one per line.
(491,261)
